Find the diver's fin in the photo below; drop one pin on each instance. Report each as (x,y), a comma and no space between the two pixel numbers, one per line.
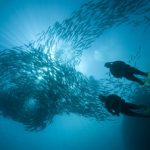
(147,80)
(148,75)
(146,83)
(147,110)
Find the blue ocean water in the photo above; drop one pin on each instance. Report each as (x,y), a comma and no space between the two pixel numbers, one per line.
(52,70)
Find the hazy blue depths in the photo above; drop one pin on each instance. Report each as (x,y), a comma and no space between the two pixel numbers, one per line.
(52,80)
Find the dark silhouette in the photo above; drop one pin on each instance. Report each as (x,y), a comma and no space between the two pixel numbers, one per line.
(116,105)
(120,69)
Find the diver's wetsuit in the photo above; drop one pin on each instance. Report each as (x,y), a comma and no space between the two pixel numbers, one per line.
(120,69)
(115,105)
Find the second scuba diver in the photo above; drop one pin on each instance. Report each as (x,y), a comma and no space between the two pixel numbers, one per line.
(116,105)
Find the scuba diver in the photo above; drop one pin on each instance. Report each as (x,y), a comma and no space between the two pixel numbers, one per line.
(116,105)
(120,69)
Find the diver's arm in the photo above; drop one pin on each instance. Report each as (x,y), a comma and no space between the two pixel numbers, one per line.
(117,113)
(113,112)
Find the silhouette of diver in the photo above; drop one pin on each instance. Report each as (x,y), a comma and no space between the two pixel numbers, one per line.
(116,105)
(120,69)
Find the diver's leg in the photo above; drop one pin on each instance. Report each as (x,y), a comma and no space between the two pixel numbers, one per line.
(135,79)
(134,114)
(138,72)
(134,106)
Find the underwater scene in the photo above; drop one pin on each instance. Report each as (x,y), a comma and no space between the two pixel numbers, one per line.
(74,74)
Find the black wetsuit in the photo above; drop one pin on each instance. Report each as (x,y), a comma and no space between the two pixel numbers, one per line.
(115,105)
(120,69)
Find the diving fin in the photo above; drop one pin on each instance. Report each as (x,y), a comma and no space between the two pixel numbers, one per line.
(147,80)
(147,110)
(148,75)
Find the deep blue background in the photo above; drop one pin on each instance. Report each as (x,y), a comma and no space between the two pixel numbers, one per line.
(20,22)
